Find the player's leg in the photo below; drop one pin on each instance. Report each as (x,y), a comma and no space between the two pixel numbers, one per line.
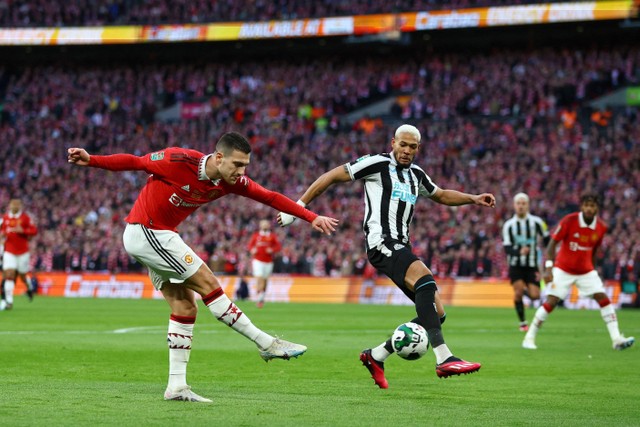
(385,349)
(558,290)
(9,276)
(10,266)
(591,284)
(179,338)
(519,287)
(420,279)
(206,284)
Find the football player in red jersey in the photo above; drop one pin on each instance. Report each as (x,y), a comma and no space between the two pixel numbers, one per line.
(263,245)
(181,180)
(579,235)
(17,228)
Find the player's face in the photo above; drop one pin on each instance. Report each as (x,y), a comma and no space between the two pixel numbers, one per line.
(231,167)
(264,225)
(589,210)
(405,148)
(521,206)
(15,206)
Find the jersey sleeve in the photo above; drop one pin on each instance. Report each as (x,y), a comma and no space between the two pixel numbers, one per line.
(248,188)
(252,242)
(365,166)
(160,163)
(427,187)
(561,230)
(277,246)
(29,228)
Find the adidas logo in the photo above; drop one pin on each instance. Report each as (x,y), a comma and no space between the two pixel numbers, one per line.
(185,187)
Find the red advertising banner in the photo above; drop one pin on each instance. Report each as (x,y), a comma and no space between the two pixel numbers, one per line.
(283,288)
(542,13)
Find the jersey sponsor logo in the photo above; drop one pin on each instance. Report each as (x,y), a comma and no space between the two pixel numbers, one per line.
(157,156)
(575,246)
(188,259)
(176,200)
(402,192)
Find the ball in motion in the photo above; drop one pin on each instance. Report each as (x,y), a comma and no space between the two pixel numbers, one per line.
(410,341)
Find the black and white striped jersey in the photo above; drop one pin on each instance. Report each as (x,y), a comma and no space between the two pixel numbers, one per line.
(390,195)
(519,232)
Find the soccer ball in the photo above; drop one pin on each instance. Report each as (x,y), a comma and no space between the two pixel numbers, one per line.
(410,341)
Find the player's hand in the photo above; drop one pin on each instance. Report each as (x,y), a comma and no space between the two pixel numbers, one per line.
(78,156)
(284,219)
(524,250)
(547,276)
(324,224)
(485,199)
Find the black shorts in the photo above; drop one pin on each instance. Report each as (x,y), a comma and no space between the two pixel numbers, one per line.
(394,260)
(527,274)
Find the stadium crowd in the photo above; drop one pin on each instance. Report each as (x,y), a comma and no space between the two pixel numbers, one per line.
(33,13)
(490,123)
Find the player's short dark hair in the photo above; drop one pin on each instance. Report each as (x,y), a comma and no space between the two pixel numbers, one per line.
(590,197)
(233,141)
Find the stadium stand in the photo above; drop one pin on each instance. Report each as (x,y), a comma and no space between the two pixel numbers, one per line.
(511,121)
(34,13)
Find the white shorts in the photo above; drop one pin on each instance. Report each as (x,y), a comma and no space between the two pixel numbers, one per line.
(16,262)
(163,252)
(587,284)
(262,269)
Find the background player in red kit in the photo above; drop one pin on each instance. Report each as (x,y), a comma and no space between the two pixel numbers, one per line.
(579,235)
(263,245)
(180,181)
(16,229)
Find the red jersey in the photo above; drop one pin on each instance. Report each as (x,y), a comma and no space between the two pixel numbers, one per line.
(178,185)
(579,241)
(266,244)
(17,243)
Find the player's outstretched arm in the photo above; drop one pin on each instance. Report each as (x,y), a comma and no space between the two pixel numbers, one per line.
(319,186)
(457,198)
(78,156)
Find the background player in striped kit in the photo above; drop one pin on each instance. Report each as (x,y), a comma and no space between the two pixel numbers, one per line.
(392,185)
(521,235)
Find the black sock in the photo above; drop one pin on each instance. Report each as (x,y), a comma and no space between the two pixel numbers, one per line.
(417,320)
(520,310)
(425,290)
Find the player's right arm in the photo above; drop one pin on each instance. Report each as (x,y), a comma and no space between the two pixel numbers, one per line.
(114,162)
(319,186)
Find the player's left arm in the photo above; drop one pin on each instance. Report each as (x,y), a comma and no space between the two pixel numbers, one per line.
(277,246)
(458,198)
(248,188)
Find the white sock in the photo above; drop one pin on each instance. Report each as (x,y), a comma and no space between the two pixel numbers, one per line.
(9,286)
(179,337)
(442,353)
(380,353)
(227,312)
(608,314)
(539,318)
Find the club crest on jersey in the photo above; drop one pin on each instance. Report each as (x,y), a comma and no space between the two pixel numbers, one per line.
(188,259)
(157,156)
(402,192)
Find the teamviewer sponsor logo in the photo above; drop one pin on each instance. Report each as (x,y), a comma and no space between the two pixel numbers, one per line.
(176,200)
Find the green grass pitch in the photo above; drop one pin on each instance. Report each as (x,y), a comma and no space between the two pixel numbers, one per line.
(81,362)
